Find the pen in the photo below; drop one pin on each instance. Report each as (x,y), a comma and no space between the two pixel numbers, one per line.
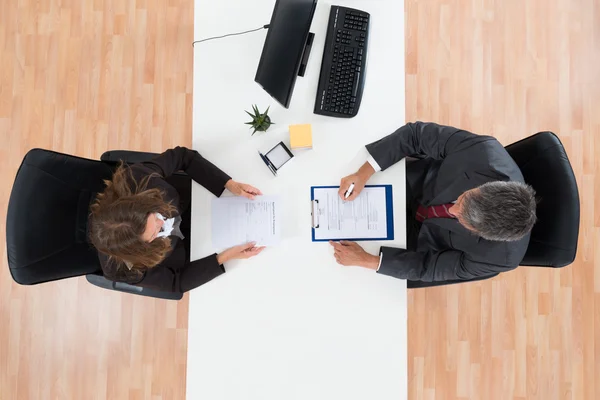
(349,191)
(264,158)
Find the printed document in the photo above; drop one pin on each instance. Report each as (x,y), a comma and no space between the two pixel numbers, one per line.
(237,220)
(363,218)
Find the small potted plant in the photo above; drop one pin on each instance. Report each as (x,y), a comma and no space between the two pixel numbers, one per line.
(260,121)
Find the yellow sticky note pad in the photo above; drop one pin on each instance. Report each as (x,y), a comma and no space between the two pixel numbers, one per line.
(301,136)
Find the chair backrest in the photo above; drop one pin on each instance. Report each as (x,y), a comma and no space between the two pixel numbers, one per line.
(546,167)
(46,225)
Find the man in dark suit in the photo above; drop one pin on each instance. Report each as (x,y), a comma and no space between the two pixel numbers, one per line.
(469,212)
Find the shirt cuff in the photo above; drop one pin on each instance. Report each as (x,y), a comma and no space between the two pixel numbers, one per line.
(373,163)
(380,259)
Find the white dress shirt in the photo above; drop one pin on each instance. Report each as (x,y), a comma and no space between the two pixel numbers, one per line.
(170,226)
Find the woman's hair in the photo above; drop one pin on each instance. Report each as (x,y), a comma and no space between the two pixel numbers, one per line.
(118,219)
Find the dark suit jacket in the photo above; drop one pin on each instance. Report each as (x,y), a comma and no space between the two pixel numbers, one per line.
(449,162)
(176,273)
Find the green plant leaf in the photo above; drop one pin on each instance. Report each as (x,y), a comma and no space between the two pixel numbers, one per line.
(260,121)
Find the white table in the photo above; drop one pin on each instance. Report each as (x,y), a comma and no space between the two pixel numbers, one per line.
(291,323)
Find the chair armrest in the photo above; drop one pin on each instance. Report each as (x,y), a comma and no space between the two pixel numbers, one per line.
(100,281)
(127,156)
(420,284)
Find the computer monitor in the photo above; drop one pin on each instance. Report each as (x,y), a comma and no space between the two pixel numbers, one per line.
(286,48)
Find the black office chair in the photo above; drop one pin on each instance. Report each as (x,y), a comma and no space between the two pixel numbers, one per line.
(46,224)
(545,166)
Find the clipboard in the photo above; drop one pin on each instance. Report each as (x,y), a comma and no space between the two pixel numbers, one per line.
(316,222)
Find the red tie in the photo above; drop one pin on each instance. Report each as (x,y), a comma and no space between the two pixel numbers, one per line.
(440,211)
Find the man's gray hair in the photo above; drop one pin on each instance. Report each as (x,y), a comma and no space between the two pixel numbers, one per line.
(501,211)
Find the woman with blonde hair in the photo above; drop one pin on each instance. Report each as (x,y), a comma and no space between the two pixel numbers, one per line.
(137,227)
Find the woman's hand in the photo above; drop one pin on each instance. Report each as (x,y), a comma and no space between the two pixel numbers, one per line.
(240,252)
(242,189)
(359,179)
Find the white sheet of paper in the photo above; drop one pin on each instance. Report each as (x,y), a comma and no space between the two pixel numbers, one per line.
(363,218)
(237,220)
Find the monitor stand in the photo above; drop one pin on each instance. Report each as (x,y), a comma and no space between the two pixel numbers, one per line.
(306,53)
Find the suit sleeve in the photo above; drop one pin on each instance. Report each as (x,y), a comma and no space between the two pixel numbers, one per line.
(190,276)
(433,266)
(197,167)
(421,140)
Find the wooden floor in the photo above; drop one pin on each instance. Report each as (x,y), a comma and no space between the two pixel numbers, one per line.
(84,76)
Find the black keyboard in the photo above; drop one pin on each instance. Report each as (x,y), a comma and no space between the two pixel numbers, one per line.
(343,68)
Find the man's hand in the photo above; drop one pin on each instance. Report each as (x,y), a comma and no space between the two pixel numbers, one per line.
(240,252)
(350,253)
(242,189)
(359,178)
